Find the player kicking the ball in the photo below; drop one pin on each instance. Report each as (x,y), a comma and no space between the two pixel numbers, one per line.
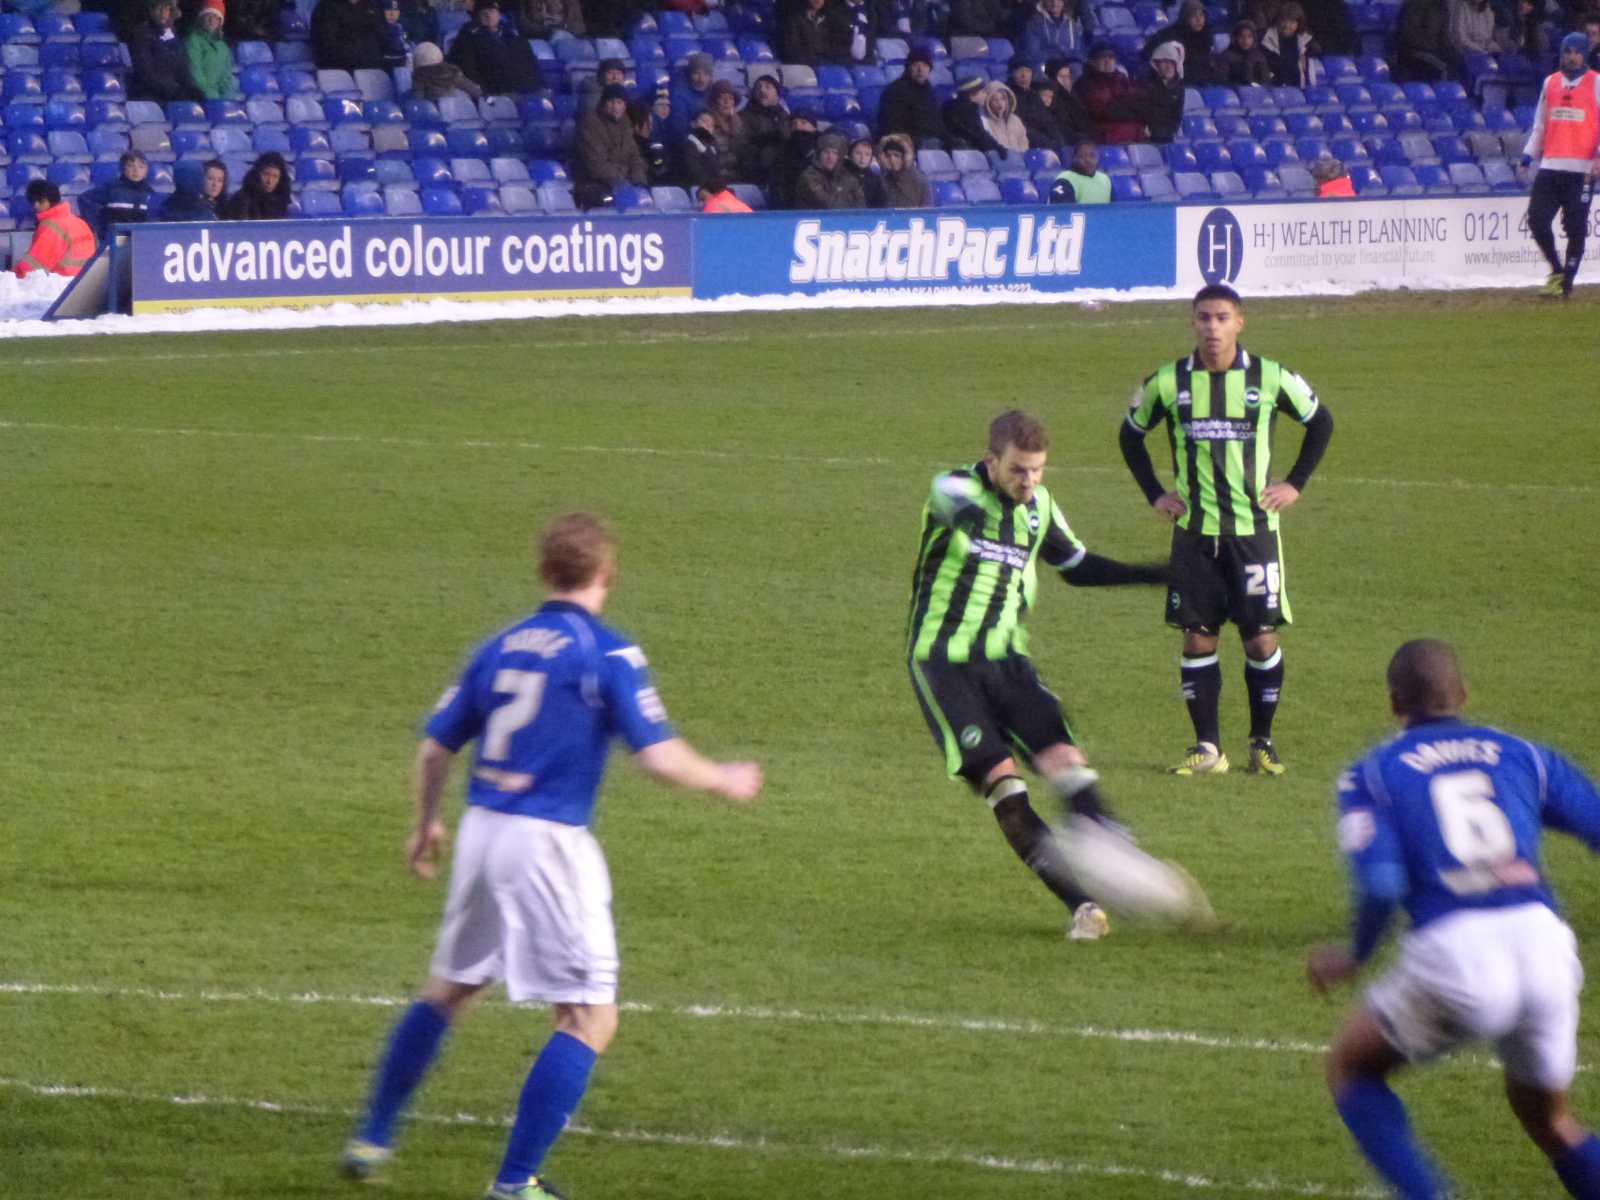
(985,530)
(530,898)
(1445,820)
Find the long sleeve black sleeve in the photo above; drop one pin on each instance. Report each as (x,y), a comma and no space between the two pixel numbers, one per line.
(1319,432)
(1092,570)
(1138,460)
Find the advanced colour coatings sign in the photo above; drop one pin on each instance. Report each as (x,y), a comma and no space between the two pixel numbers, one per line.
(993,250)
(298,263)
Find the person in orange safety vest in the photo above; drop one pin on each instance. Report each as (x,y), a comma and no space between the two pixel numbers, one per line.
(63,242)
(1564,141)
(718,197)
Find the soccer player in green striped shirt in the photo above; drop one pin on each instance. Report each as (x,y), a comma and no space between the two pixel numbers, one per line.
(985,529)
(1219,405)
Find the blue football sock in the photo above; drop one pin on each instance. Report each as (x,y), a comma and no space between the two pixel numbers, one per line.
(1378,1121)
(1579,1169)
(557,1082)
(412,1047)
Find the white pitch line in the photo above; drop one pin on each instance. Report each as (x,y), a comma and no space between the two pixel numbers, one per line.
(1190,1180)
(356,439)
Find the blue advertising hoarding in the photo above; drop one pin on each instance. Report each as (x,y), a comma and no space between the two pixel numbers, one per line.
(281,264)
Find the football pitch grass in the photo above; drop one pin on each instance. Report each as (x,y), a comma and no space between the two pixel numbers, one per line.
(240,568)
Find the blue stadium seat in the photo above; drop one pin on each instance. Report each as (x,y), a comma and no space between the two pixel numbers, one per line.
(432,172)
(1313,148)
(1157,186)
(20,174)
(1468,178)
(152,142)
(357,169)
(470,170)
(1127,187)
(1369,121)
(68,145)
(62,114)
(186,114)
(344,112)
(1368,182)
(1350,150)
(302,108)
(1279,153)
(27,146)
(670,199)
(60,84)
(227,112)
(310,143)
(555,198)
(1257,101)
(1145,157)
(346,140)
(94,26)
(1369,66)
(230,140)
(1228,185)
(1433,179)
(1210,157)
(1339,68)
(1355,97)
(459,113)
(17,29)
(253,54)
(1181,157)
(108,114)
(428,141)
(1400,180)
(937,165)
(1451,149)
(1221,101)
(107,144)
(363,202)
(373,85)
(1501,177)
(193,143)
(1232,127)
(1246,152)
(320,203)
(1297,180)
(337,85)
(1193,187)
(1266,128)
(59,54)
(271,138)
(18,86)
(545,170)
(1263,182)
(259,81)
(467,143)
(1016,190)
(318,173)
(1201,129)
(628,198)
(393,172)
(402,202)
(21,114)
(297,80)
(509,170)
(70,177)
(1290,101)
(56,27)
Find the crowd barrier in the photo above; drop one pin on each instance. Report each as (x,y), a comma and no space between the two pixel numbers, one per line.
(1256,246)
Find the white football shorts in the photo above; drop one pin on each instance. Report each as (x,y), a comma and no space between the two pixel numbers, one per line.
(530,903)
(1508,976)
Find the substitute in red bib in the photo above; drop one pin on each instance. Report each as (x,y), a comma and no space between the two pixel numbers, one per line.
(1565,138)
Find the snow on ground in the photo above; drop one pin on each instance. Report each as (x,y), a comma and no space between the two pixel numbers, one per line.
(24,301)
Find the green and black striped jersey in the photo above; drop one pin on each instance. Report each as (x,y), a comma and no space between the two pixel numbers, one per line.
(1220,426)
(977,569)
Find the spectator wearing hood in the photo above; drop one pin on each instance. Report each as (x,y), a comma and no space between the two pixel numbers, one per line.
(543,18)
(432,77)
(1333,180)
(126,200)
(859,162)
(611,71)
(210,60)
(727,126)
(199,189)
(691,88)
(963,118)
(346,36)
(608,154)
(1289,47)
(1071,117)
(491,55)
(904,185)
(1192,32)
(827,183)
(1158,101)
(815,35)
(1053,31)
(265,193)
(392,39)
(795,160)
(765,125)
(160,65)
(1083,182)
(910,105)
(1104,89)
(1243,62)
(62,243)
(1000,120)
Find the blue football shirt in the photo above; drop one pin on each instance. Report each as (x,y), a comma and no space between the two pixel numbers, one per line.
(1448,816)
(544,700)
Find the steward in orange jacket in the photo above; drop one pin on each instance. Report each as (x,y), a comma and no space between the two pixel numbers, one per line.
(63,242)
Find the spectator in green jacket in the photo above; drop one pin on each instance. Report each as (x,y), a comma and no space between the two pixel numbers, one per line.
(210,60)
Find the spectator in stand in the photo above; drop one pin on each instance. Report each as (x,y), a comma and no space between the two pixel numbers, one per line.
(699,156)
(1331,177)
(1591,33)
(346,36)
(980,18)
(420,21)
(795,160)
(544,18)
(1422,42)
(1243,61)
(392,40)
(492,55)
(718,197)
(1158,101)
(766,126)
(265,193)
(210,60)
(909,104)
(860,163)
(432,77)
(1104,88)
(826,183)
(727,126)
(1071,117)
(1039,118)
(1289,47)
(251,21)
(611,71)
(1521,27)
(1083,182)
(1472,27)
(815,35)
(1030,110)
(647,136)
(62,243)
(860,20)
(123,201)
(1330,21)
(1194,35)
(1000,120)
(198,191)
(963,118)
(691,88)
(1053,31)
(608,155)
(902,18)
(160,66)
(904,185)
(612,18)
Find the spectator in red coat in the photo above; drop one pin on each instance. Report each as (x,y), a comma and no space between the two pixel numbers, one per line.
(1104,89)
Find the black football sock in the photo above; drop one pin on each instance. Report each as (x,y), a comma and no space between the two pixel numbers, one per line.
(1202,690)
(1031,838)
(1264,680)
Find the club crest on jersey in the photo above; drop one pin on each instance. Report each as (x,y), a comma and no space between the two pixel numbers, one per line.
(1252,397)
(1183,398)
(1033,520)
(971,736)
